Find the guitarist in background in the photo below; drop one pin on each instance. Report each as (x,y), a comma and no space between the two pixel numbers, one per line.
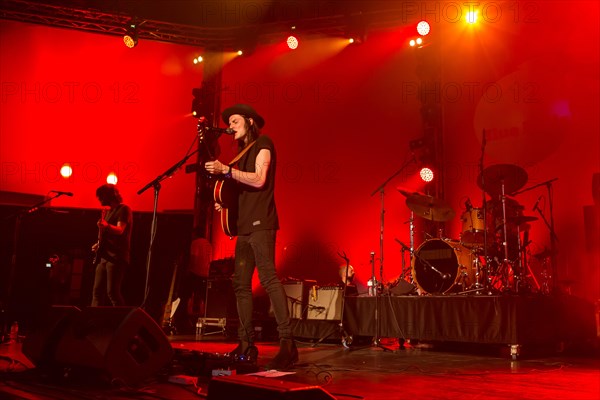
(257,226)
(112,248)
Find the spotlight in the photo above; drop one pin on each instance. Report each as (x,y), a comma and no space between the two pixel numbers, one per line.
(66,171)
(131,36)
(240,52)
(198,60)
(292,42)
(412,42)
(112,178)
(426,174)
(471,17)
(423,28)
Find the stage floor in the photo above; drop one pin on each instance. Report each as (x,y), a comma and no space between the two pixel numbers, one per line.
(427,370)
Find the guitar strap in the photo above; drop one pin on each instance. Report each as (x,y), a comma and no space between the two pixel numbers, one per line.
(241,153)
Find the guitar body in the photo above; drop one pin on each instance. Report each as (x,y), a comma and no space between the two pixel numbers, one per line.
(171,306)
(226,194)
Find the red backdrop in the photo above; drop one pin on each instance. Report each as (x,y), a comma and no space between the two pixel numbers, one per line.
(341,119)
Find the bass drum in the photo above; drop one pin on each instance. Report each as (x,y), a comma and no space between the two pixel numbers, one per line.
(442,266)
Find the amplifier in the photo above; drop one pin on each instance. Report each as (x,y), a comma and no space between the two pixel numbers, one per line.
(297,297)
(325,303)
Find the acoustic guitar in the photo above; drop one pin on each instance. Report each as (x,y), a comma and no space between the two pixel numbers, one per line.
(226,194)
(97,256)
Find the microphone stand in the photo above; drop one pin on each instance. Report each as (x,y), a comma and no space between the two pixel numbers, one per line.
(488,278)
(18,216)
(381,191)
(155,183)
(346,339)
(375,287)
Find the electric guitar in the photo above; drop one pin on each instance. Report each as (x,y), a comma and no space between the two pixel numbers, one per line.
(171,306)
(97,252)
(226,194)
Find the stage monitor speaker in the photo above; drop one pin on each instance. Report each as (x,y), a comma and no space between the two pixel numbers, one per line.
(259,388)
(121,344)
(325,303)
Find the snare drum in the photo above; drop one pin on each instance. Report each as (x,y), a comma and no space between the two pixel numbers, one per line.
(441,266)
(473,227)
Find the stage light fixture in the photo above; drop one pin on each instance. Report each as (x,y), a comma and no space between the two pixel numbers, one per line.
(66,171)
(292,42)
(198,60)
(292,39)
(112,178)
(423,28)
(471,17)
(418,42)
(131,36)
(426,174)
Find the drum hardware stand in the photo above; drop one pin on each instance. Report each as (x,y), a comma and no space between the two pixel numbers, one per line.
(549,225)
(405,248)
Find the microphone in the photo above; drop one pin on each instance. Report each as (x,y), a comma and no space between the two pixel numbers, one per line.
(536,203)
(468,204)
(227,131)
(70,194)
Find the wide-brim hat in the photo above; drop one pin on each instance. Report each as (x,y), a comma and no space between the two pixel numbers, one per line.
(246,111)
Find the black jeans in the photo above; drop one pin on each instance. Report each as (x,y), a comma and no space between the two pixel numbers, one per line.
(258,250)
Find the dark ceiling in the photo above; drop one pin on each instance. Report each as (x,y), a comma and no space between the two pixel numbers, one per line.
(219,24)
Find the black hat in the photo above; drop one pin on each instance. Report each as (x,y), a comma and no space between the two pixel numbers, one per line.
(246,111)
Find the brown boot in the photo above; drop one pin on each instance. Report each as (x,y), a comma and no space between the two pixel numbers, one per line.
(287,356)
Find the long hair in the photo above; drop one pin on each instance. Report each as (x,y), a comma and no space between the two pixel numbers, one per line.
(109,193)
(253,132)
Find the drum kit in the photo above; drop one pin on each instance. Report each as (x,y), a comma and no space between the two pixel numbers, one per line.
(490,255)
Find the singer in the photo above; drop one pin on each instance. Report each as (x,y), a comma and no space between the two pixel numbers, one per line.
(257,227)
(112,248)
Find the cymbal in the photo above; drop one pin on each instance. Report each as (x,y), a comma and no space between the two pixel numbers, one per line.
(521,219)
(512,176)
(546,253)
(430,207)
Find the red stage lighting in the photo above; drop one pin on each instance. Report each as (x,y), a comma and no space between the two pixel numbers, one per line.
(131,36)
(423,28)
(426,174)
(292,42)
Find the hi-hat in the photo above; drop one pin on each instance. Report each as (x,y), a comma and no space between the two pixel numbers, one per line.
(511,176)
(430,207)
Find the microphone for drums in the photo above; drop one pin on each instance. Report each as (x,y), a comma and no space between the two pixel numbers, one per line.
(468,204)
